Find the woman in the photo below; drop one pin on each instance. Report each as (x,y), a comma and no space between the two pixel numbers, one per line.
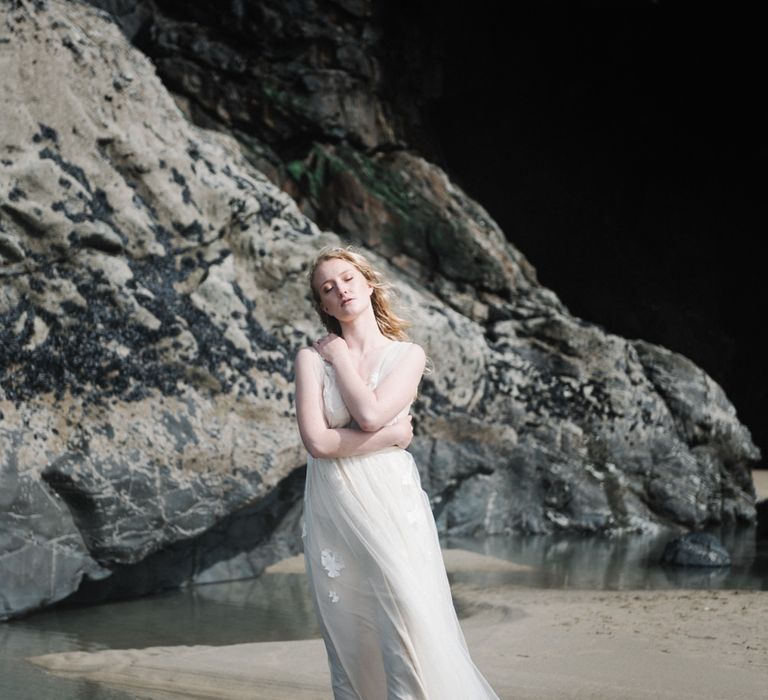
(373,560)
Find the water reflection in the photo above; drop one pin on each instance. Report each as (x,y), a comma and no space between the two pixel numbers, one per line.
(268,608)
(20,680)
(616,562)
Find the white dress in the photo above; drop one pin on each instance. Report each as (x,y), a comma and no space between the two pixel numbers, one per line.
(375,571)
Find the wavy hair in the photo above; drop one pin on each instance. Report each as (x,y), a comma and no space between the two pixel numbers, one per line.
(391,325)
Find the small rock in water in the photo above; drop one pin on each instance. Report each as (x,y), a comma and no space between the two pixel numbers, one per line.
(696,549)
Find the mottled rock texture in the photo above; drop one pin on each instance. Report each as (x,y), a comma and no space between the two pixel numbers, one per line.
(153,297)
(696,549)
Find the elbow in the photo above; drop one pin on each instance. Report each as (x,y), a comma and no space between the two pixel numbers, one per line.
(369,424)
(315,451)
(316,448)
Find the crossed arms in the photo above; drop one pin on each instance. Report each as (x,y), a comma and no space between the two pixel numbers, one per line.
(371,409)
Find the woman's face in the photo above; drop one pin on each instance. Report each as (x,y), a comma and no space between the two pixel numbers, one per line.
(343,290)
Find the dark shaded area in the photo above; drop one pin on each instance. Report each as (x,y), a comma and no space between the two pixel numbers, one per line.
(622,152)
(762,519)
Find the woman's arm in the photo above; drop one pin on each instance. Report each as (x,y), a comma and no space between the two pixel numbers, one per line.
(324,442)
(373,409)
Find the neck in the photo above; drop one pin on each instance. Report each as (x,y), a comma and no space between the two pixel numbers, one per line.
(362,333)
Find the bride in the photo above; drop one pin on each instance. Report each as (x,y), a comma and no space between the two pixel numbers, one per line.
(372,553)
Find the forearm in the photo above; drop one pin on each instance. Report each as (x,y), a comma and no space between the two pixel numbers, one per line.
(359,398)
(350,442)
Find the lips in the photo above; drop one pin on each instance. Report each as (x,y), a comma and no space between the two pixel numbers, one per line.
(346,301)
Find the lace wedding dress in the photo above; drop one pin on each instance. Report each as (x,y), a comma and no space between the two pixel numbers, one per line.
(375,571)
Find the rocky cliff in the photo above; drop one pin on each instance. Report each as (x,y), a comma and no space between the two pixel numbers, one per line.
(153,298)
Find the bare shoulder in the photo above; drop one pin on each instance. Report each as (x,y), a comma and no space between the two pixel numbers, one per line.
(307,355)
(415,352)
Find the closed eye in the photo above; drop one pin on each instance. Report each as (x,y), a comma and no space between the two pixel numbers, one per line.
(346,279)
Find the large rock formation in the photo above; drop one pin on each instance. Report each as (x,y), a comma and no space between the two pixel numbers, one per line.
(153,299)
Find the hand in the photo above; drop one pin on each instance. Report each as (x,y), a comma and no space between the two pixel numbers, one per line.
(403,431)
(331,347)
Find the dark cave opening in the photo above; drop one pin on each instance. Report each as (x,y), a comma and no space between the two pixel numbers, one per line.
(621,152)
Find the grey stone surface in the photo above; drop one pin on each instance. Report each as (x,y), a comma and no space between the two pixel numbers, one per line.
(153,297)
(696,549)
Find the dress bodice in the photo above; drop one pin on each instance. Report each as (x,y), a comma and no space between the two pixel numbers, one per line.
(336,412)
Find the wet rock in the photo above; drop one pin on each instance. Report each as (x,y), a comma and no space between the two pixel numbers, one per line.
(42,555)
(696,549)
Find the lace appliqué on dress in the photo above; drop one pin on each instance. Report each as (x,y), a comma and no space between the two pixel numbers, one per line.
(332,562)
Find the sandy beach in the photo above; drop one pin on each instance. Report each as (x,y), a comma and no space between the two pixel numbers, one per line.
(532,644)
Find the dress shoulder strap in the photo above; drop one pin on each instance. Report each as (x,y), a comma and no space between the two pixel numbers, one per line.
(392,356)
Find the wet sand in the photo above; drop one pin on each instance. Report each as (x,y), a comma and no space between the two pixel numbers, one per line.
(531,644)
